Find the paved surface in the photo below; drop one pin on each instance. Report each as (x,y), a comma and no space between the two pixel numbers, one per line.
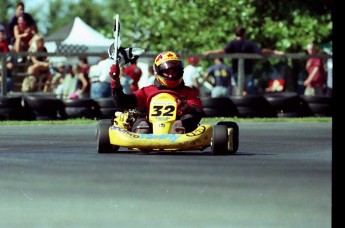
(51,176)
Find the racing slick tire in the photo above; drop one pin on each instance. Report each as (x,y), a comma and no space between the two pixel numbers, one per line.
(103,141)
(219,142)
(234,136)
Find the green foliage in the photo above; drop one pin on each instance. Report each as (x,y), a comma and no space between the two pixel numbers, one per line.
(193,26)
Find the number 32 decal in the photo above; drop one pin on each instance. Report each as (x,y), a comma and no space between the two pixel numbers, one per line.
(159,110)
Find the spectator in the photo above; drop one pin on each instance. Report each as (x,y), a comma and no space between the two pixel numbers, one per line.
(4,47)
(125,81)
(222,74)
(152,77)
(69,83)
(82,83)
(316,80)
(2,28)
(192,73)
(330,77)
(20,10)
(329,65)
(58,80)
(39,67)
(241,45)
(135,73)
(99,77)
(83,68)
(23,33)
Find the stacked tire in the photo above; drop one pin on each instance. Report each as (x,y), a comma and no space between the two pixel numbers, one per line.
(45,107)
(11,108)
(107,107)
(320,106)
(288,105)
(219,107)
(253,106)
(81,108)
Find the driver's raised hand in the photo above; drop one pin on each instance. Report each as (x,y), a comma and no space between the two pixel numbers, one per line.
(114,73)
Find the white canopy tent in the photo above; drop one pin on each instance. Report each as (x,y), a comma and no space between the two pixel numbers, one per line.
(77,34)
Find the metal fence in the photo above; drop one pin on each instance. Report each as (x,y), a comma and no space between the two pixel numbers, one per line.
(4,57)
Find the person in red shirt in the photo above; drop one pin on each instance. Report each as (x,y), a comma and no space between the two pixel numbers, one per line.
(9,61)
(168,68)
(316,80)
(23,34)
(135,73)
(3,42)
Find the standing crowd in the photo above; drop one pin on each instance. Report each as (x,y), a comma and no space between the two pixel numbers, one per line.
(83,80)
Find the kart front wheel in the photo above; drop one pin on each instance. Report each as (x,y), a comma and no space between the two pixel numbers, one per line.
(219,142)
(103,141)
(233,135)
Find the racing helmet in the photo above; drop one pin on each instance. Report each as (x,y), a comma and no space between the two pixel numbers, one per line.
(168,60)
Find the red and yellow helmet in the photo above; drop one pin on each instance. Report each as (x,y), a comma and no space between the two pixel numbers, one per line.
(168,60)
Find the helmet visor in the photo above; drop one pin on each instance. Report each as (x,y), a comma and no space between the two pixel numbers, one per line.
(173,68)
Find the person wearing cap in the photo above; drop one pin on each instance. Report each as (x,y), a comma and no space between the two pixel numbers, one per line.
(168,69)
(192,73)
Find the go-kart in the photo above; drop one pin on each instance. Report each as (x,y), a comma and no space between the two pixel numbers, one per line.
(223,137)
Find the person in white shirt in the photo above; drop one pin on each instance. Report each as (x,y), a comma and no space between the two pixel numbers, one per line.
(100,81)
(191,73)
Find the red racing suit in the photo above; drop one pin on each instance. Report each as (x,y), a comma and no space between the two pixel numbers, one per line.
(189,116)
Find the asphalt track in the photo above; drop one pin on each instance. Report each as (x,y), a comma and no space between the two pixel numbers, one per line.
(51,176)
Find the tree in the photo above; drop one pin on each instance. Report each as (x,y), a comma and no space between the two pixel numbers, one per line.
(198,25)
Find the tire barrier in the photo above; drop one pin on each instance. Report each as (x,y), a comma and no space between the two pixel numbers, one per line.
(11,108)
(288,105)
(219,107)
(43,107)
(253,106)
(107,107)
(320,106)
(81,108)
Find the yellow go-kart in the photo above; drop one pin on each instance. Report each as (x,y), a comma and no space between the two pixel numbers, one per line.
(223,137)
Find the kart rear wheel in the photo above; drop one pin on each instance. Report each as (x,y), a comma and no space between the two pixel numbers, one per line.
(103,141)
(219,142)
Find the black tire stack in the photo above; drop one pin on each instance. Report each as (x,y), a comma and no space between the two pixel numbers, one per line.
(107,107)
(11,108)
(81,108)
(288,105)
(253,106)
(219,107)
(320,106)
(45,107)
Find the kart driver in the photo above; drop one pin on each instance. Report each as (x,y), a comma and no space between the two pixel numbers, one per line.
(168,69)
